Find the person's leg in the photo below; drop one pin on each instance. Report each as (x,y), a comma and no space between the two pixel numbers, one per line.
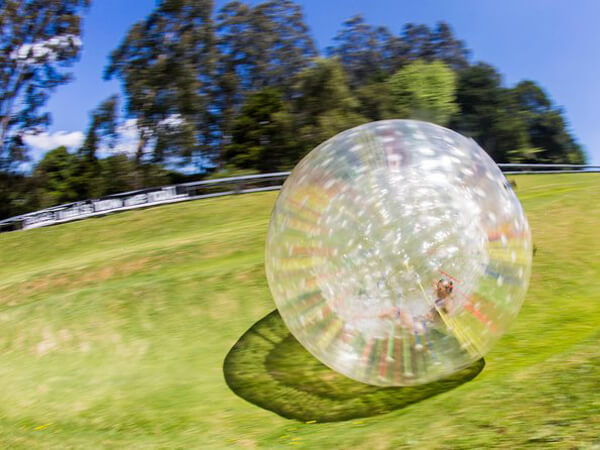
(428,341)
(418,331)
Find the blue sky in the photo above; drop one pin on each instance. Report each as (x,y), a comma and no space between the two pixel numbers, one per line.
(552,42)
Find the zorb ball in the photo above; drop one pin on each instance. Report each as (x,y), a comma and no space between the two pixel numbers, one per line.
(398,253)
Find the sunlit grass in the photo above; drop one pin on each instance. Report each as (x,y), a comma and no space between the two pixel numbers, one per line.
(113,333)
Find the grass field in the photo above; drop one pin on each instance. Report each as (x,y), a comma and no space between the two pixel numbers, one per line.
(114,332)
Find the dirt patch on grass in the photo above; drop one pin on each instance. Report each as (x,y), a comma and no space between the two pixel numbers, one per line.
(14,294)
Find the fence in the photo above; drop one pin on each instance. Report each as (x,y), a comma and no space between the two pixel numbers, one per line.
(206,189)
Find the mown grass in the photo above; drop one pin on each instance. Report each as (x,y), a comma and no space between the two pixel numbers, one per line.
(113,333)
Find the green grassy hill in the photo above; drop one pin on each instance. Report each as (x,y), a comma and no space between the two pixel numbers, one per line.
(114,331)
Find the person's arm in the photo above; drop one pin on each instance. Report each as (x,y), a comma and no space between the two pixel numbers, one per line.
(389,314)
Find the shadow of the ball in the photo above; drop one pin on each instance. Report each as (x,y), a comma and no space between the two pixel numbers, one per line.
(269,368)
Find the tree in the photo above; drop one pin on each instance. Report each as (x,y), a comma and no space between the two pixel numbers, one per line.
(370,54)
(166,66)
(518,124)
(116,175)
(103,127)
(259,47)
(375,101)
(491,114)
(424,91)
(17,194)
(548,132)
(367,53)
(264,46)
(86,177)
(532,97)
(324,104)
(39,37)
(453,52)
(546,126)
(55,175)
(419,42)
(263,134)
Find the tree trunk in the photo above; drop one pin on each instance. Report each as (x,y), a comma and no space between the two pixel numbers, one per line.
(139,154)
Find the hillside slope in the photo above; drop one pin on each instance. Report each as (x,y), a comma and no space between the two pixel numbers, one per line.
(113,333)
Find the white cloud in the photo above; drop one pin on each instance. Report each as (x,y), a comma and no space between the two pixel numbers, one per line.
(128,136)
(40,144)
(47,141)
(128,130)
(29,53)
(127,140)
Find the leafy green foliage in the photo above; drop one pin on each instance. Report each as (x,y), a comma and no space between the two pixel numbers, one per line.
(38,39)
(252,51)
(546,126)
(259,47)
(263,46)
(230,171)
(367,53)
(324,104)
(263,134)
(448,48)
(56,174)
(517,124)
(273,134)
(165,64)
(63,177)
(240,89)
(424,91)
(87,176)
(103,126)
(376,101)
(15,191)
(370,54)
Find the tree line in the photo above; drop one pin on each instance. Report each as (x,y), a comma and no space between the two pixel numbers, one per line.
(245,89)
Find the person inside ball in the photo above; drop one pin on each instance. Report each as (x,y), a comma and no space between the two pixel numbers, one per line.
(443,300)
(443,303)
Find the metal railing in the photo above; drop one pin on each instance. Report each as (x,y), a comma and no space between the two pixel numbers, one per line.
(219,187)
(555,168)
(143,198)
